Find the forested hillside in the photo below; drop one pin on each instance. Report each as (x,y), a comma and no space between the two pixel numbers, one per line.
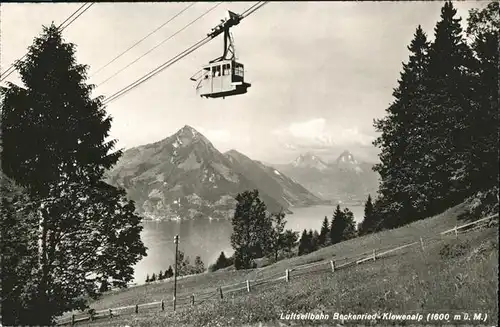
(439,138)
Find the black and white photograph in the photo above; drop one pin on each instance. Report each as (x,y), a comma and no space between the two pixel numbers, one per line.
(265,163)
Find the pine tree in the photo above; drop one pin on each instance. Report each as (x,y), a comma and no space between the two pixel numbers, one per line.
(18,226)
(251,227)
(324,234)
(52,130)
(222,261)
(349,230)
(160,275)
(153,278)
(448,102)
(400,140)
(369,223)
(169,273)
(337,226)
(148,279)
(53,145)
(304,243)
(290,239)
(314,240)
(199,266)
(483,30)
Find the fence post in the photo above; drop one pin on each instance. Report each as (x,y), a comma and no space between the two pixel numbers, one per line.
(333,265)
(456,231)
(72,319)
(422,243)
(192,299)
(136,308)
(374,255)
(220,290)
(162,305)
(110,313)
(248,286)
(287,275)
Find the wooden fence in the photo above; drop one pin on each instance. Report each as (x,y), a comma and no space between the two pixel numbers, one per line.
(220,291)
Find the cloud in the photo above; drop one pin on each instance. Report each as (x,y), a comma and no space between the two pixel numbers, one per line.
(318,134)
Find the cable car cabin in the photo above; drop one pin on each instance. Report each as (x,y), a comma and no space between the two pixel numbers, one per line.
(221,79)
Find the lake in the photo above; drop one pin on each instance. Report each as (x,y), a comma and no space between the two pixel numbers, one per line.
(207,238)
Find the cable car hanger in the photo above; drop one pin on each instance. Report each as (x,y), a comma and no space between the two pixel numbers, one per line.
(222,76)
(118,94)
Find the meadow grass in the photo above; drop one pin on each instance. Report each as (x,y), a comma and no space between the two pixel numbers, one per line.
(340,252)
(449,276)
(456,274)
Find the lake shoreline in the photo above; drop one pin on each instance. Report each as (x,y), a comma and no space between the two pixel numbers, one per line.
(180,219)
(209,237)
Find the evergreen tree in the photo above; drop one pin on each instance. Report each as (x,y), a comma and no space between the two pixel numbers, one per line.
(251,227)
(153,278)
(290,239)
(324,235)
(447,102)
(304,243)
(53,145)
(160,275)
(343,225)
(311,241)
(222,262)
(369,222)
(18,225)
(148,279)
(483,31)
(378,214)
(349,225)
(169,273)
(52,130)
(199,265)
(400,139)
(337,226)
(316,239)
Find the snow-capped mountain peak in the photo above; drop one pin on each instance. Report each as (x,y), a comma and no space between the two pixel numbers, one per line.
(309,160)
(347,158)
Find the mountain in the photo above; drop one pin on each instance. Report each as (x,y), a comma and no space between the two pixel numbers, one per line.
(271,182)
(345,179)
(185,176)
(309,160)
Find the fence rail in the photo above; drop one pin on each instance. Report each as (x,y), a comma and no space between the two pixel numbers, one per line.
(249,284)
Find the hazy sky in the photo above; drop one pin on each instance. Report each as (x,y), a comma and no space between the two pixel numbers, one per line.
(320,71)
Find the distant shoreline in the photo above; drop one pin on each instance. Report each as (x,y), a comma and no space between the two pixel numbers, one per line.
(178,219)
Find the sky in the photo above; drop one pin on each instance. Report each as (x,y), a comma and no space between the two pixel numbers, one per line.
(321,72)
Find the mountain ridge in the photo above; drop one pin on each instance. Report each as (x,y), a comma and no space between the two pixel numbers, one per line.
(344,179)
(184,176)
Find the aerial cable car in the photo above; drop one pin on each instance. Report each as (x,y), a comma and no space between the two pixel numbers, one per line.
(223,76)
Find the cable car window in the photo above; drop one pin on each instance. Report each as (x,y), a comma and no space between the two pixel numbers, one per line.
(227,70)
(239,70)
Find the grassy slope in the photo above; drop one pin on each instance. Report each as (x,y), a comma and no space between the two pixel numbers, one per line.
(430,281)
